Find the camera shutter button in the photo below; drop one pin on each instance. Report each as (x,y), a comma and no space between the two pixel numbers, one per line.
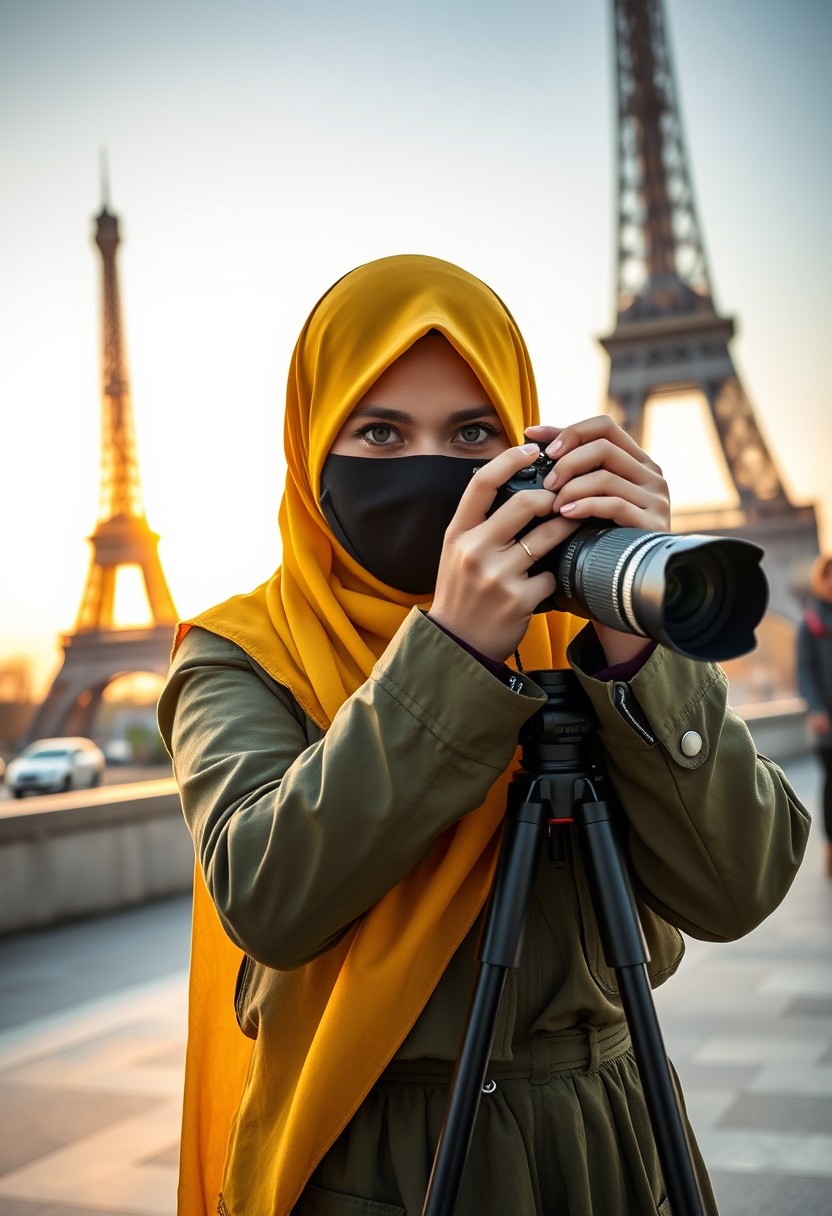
(691,743)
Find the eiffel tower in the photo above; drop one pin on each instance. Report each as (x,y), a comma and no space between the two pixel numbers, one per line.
(96,652)
(668,335)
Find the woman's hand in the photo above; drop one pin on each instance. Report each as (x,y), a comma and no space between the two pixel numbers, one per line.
(484,593)
(602,473)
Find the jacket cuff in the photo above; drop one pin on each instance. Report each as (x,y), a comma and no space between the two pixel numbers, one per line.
(452,694)
(498,669)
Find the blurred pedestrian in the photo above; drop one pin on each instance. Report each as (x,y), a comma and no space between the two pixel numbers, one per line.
(814,679)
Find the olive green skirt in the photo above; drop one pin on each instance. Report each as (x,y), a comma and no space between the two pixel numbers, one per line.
(562,1130)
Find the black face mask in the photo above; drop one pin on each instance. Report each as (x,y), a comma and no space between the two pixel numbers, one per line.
(391,513)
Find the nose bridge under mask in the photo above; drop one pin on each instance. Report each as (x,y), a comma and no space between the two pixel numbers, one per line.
(391,513)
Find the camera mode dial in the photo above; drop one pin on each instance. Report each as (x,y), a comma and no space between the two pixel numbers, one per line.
(529,478)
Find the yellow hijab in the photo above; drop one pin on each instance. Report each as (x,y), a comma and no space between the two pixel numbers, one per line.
(259,1116)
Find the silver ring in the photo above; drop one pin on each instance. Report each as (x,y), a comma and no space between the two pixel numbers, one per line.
(528,550)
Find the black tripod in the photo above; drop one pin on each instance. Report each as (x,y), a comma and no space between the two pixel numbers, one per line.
(560,787)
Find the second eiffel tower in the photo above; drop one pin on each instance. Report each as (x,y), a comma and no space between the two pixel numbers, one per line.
(97,651)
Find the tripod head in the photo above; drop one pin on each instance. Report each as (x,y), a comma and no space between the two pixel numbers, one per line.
(560,736)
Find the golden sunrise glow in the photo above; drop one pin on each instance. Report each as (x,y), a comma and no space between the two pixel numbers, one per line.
(680,435)
(131,607)
(138,688)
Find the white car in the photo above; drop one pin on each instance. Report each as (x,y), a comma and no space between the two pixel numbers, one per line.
(118,751)
(49,765)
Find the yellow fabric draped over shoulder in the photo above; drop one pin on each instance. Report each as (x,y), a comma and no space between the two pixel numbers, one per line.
(258,1117)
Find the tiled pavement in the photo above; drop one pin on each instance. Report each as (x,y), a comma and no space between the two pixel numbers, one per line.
(92,1023)
(749,1027)
(91,1052)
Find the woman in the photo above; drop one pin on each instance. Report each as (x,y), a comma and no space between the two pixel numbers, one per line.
(814,679)
(343,738)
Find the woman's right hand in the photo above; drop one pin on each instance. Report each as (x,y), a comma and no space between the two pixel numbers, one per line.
(484,594)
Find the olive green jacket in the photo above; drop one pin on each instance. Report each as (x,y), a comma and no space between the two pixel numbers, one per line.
(299,833)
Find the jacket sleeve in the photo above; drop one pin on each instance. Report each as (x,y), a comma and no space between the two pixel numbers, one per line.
(298,838)
(716,833)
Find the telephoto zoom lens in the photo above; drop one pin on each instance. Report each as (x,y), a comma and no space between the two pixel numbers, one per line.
(701,595)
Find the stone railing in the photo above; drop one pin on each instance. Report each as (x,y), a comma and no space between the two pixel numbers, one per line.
(779,728)
(91,851)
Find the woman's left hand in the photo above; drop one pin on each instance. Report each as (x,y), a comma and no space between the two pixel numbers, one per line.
(602,473)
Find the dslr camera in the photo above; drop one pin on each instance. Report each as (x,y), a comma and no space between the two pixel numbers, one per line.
(703,596)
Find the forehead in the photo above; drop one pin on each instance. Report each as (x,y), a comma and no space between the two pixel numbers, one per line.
(430,377)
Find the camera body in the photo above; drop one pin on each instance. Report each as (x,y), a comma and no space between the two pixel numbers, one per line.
(529,478)
(702,596)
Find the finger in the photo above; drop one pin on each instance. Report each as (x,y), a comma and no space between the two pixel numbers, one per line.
(537,588)
(500,529)
(539,541)
(602,454)
(479,493)
(618,476)
(603,483)
(619,510)
(600,427)
(542,434)
(532,590)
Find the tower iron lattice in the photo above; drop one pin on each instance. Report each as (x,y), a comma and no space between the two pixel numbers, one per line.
(669,336)
(97,651)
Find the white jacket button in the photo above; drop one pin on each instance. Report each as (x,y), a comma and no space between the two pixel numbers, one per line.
(691,743)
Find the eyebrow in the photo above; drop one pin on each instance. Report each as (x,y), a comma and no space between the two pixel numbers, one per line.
(381,411)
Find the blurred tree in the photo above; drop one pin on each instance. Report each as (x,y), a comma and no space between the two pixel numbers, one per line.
(16,680)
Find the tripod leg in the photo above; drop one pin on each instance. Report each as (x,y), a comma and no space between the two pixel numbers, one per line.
(626,952)
(499,950)
(466,1091)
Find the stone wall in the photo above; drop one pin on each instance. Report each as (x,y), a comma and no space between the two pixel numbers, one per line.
(91,851)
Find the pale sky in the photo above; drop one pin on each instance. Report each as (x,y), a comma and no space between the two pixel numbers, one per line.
(260,150)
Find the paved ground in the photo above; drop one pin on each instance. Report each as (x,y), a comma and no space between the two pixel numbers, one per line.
(92,1020)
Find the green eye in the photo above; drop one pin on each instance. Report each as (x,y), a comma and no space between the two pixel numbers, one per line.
(476,432)
(378,433)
